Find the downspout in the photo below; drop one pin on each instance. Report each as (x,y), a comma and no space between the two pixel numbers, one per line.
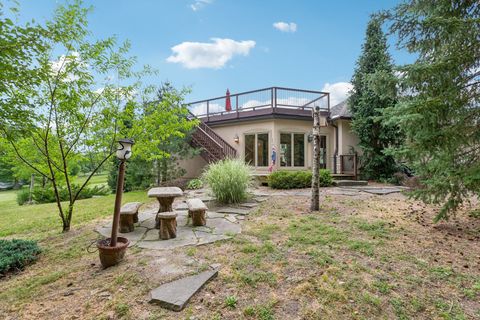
(335,152)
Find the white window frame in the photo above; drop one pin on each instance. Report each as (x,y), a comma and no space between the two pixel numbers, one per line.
(292,151)
(256,148)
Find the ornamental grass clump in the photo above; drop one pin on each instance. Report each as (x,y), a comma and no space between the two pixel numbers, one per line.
(229,180)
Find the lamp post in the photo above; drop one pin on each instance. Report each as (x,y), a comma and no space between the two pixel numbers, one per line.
(124,152)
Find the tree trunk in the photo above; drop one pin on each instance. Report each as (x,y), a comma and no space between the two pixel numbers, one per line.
(32,182)
(315,201)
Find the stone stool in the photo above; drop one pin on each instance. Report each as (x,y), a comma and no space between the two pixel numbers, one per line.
(129,216)
(168,225)
(196,211)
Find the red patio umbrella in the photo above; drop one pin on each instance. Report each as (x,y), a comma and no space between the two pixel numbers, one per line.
(228,104)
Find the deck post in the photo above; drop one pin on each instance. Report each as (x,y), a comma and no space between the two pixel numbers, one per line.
(236,102)
(208,111)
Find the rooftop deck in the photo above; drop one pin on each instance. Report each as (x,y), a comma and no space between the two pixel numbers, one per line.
(263,103)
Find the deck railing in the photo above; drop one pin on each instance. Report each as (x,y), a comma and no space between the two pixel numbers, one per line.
(268,98)
(348,164)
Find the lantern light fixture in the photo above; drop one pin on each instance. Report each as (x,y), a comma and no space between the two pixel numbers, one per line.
(236,138)
(124,150)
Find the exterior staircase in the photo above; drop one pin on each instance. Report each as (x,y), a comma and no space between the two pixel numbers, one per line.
(213,147)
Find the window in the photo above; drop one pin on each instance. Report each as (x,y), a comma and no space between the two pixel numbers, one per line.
(256,149)
(292,149)
(262,150)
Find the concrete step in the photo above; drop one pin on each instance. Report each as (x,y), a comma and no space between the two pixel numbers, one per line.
(350,183)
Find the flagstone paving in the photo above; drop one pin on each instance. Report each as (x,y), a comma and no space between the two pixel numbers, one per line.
(223,222)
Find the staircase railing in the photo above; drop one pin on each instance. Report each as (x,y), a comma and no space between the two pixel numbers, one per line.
(214,147)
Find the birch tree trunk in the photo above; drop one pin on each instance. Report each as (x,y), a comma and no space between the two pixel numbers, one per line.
(315,201)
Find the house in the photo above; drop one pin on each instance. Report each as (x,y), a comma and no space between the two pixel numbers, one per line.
(273,123)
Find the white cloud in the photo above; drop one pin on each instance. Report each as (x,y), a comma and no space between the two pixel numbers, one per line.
(339,91)
(285,26)
(64,67)
(194,55)
(199,4)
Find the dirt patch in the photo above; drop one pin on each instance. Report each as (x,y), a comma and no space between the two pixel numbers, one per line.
(360,256)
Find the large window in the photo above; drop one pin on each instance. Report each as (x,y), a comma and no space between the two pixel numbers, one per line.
(292,150)
(256,149)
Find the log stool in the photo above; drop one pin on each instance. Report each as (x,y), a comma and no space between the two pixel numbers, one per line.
(165,197)
(196,211)
(168,225)
(129,216)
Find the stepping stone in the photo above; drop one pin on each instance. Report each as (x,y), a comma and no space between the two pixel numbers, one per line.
(133,236)
(234,210)
(207,199)
(181,206)
(205,238)
(231,218)
(249,204)
(223,226)
(214,215)
(260,199)
(175,295)
(382,191)
(348,183)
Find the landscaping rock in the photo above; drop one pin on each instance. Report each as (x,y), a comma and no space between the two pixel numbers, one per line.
(176,294)
(233,210)
(341,183)
(215,215)
(249,204)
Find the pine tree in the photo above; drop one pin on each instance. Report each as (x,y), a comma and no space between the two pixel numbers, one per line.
(367,105)
(439,109)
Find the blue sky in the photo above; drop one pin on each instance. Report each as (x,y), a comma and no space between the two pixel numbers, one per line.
(212,45)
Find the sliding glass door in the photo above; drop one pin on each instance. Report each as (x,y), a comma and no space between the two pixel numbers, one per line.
(256,149)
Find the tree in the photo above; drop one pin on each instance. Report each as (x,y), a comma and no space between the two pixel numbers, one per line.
(20,47)
(439,110)
(81,102)
(178,146)
(315,200)
(367,104)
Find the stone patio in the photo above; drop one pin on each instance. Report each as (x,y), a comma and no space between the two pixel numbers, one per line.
(223,222)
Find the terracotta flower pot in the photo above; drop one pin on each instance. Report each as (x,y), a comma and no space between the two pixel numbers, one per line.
(110,256)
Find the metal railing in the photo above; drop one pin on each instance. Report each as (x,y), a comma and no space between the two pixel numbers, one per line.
(348,164)
(273,98)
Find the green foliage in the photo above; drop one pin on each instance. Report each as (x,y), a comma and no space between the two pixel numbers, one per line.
(47,195)
(194,184)
(231,302)
(325,177)
(438,109)
(15,254)
(138,176)
(229,180)
(367,102)
(284,179)
(23,195)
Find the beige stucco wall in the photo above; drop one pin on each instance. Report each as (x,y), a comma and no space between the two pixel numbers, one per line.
(274,127)
(193,167)
(347,138)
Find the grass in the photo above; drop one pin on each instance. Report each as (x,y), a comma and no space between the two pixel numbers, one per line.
(41,220)
(286,264)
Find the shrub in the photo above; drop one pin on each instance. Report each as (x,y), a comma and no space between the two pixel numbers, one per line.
(47,195)
(229,180)
(325,178)
(16,254)
(22,196)
(283,179)
(194,184)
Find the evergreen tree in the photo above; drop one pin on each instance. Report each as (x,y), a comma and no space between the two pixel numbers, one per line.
(439,109)
(367,104)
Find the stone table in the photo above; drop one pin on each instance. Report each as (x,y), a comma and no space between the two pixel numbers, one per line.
(165,197)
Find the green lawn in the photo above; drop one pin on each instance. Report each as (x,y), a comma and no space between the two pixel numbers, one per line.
(41,220)
(98,179)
